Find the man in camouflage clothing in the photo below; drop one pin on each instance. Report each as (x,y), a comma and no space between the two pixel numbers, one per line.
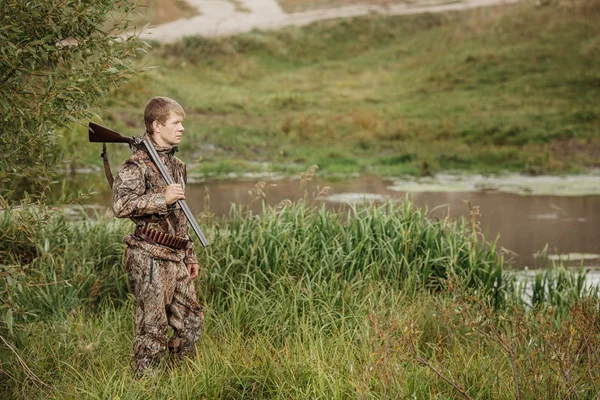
(160,274)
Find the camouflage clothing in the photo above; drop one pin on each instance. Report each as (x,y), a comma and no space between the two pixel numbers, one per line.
(158,275)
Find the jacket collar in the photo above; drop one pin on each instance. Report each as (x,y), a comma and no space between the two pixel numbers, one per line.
(168,150)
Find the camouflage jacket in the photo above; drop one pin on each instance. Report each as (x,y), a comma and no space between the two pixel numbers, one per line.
(138,193)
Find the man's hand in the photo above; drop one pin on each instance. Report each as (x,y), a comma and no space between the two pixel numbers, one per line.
(173,193)
(193,270)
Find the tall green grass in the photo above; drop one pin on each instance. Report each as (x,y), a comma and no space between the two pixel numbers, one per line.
(392,243)
(53,266)
(375,302)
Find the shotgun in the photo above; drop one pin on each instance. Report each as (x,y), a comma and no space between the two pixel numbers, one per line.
(101,134)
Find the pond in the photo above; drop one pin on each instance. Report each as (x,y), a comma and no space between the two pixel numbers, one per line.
(528,214)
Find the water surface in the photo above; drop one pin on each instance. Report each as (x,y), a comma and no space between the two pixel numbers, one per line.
(566,224)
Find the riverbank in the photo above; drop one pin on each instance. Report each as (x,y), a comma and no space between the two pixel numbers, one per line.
(498,89)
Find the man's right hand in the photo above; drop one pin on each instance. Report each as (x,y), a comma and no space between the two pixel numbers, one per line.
(173,193)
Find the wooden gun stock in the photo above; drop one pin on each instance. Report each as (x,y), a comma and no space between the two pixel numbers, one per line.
(101,134)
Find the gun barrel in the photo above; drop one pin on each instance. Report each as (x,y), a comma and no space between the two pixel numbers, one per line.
(99,133)
(182,204)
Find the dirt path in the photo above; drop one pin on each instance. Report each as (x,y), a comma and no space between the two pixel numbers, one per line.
(222,18)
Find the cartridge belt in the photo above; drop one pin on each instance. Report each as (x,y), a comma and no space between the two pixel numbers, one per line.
(155,237)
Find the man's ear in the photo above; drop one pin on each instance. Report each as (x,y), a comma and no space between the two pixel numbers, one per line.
(155,126)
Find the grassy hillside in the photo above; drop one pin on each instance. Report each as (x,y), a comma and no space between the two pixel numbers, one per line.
(510,88)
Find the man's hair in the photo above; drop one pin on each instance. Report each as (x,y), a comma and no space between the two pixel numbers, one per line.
(159,109)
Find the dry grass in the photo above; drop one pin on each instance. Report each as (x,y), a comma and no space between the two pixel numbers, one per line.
(156,12)
(304,5)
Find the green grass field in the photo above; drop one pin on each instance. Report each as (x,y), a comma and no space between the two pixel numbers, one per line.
(510,88)
(378,301)
(381,302)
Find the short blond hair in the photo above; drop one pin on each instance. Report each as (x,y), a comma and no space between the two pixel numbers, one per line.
(159,109)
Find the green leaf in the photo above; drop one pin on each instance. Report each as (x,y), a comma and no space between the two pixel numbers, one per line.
(8,320)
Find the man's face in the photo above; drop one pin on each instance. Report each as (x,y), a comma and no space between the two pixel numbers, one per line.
(170,133)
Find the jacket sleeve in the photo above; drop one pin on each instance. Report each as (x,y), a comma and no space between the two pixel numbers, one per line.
(129,194)
(190,254)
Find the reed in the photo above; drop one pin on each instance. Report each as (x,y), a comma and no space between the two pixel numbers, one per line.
(394,243)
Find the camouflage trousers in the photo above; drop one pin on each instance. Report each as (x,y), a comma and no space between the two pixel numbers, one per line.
(165,296)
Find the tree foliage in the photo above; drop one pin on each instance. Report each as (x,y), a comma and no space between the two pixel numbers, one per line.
(58,58)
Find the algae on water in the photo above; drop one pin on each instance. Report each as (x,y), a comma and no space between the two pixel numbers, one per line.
(568,185)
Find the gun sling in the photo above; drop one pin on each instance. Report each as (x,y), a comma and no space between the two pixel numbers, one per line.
(107,171)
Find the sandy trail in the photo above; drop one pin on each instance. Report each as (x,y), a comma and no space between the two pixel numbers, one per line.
(221,18)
